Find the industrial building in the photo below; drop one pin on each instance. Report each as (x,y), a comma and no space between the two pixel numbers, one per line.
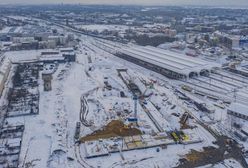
(170,64)
(229,41)
(62,55)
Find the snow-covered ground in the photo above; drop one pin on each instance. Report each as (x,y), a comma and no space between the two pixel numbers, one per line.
(228,163)
(48,139)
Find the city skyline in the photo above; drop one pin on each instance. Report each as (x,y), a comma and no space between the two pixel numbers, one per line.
(123,83)
(222,3)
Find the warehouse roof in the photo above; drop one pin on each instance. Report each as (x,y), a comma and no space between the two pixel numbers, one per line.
(175,62)
(172,61)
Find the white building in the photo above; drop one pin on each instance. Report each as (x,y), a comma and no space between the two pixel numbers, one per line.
(229,41)
(22,39)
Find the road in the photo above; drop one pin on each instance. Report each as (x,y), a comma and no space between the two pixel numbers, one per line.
(215,155)
(84,110)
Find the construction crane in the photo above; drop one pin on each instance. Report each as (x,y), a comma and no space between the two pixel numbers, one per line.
(140,97)
(135,98)
(134,119)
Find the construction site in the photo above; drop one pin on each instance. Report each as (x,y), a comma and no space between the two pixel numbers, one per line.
(22,99)
(10,146)
(172,112)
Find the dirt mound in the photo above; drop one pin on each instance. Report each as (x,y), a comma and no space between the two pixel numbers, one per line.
(209,155)
(113,129)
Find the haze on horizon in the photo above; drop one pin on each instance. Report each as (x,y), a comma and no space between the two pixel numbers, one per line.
(219,3)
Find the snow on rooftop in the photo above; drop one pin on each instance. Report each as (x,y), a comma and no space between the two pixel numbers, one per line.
(101,28)
(239,108)
(19,56)
(176,62)
(52,57)
(66,49)
(34,55)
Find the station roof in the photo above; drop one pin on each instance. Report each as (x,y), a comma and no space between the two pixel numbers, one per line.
(175,62)
(239,108)
(172,61)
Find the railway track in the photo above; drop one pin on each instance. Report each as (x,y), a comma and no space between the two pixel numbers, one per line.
(204,81)
(224,81)
(82,159)
(78,158)
(157,125)
(230,79)
(234,76)
(203,87)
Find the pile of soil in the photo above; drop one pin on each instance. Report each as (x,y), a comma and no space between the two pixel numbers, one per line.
(115,128)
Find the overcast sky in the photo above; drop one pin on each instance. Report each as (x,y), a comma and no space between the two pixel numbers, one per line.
(241,3)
